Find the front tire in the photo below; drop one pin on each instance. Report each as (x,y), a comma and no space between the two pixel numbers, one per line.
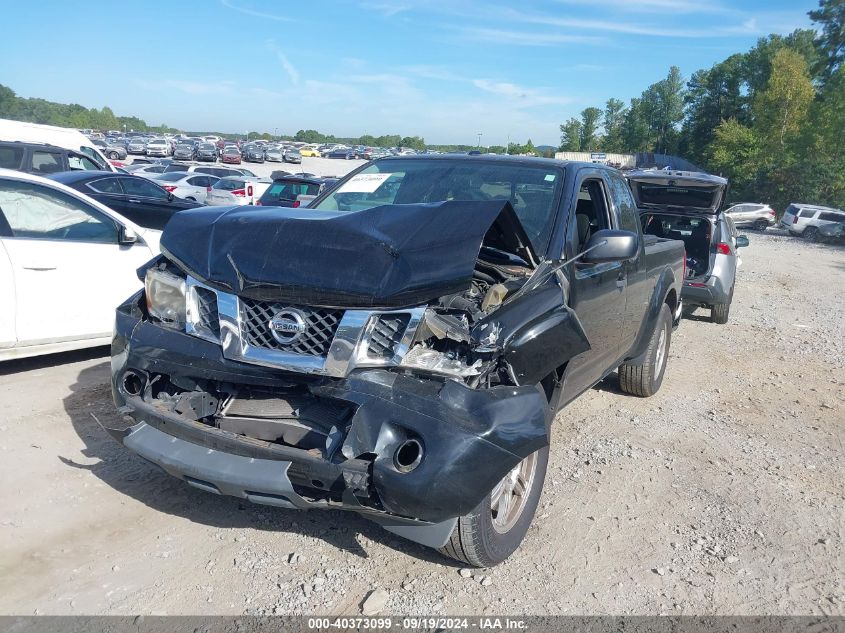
(498,525)
(811,233)
(114,155)
(644,379)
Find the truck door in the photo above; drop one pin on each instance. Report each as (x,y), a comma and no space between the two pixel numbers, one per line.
(637,290)
(597,290)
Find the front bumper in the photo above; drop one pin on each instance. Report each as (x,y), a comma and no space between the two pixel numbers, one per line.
(469,438)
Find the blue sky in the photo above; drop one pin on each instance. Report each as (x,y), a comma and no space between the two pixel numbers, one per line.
(443,69)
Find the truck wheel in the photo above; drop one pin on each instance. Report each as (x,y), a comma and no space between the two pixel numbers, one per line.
(719,313)
(645,379)
(496,527)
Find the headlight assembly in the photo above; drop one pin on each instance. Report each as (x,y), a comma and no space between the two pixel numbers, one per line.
(165,295)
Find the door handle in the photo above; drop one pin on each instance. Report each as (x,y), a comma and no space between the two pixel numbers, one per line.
(39,268)
(622,280)
(135,200)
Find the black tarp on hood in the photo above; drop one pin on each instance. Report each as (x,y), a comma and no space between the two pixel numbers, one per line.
(387,256)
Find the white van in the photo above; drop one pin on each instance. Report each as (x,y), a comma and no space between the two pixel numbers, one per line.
(63,137)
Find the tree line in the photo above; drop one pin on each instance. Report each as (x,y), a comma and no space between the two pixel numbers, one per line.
(770,119)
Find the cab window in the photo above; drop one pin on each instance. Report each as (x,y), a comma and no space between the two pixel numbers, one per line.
(591,211)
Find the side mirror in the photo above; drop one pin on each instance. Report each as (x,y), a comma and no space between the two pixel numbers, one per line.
(127,236)
(741,240)
(170,196)
(609,245)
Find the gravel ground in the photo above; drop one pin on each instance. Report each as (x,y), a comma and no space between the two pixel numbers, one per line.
(722,494)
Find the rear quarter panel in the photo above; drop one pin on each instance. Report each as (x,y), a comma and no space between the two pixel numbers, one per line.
(664,274)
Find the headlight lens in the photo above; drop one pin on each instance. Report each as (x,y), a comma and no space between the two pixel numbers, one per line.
(165,294)
(426,359)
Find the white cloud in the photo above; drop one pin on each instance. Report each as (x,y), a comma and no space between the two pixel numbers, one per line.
(521,96)
(655,6)
(524,38)
(285,63)
(256,14)
(388,9)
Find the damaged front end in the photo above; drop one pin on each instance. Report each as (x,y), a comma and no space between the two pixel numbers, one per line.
(408,415)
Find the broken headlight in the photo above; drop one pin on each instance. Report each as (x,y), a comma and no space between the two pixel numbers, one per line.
(438,347)
(430,360)
(165,295)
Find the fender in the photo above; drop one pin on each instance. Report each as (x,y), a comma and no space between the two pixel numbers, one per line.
(665,284)
(539,333)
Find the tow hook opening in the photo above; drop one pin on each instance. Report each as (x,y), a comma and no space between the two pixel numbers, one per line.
(133,383)
(408,456)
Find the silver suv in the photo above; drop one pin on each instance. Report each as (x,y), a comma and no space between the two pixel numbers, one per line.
(806,219)
(682,205)
(756,215)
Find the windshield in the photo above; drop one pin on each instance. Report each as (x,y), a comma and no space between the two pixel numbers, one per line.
(290,190)
(532,190)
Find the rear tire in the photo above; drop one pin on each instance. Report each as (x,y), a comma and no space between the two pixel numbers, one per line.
(811,233)
(761,225)
(644,379)
(484,537)
(719,313)
(114,155)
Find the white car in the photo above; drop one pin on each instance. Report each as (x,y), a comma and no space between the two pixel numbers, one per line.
(806,219)
(159,147)
(66,262)
(182,184)
(231,191)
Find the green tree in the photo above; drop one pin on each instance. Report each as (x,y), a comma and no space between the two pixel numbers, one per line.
(831,41)
(309,136)
(712,96)
(733,154)
(780,111)
(635,127)
(668,109)
(589,140)
(414,142)
(612,120)
(570,136)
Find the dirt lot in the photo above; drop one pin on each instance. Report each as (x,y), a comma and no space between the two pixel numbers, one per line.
(723,494)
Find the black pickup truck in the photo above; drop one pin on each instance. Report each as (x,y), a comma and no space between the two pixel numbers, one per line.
(398,349)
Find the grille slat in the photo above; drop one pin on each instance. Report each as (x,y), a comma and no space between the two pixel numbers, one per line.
(207,305)
(320,327)
(386,334)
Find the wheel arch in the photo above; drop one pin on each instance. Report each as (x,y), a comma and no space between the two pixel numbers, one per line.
(664,294)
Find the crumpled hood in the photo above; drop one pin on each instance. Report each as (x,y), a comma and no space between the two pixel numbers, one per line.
(387,256)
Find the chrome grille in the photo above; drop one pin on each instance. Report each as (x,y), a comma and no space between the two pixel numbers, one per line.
(207,307)
(320,327)
(386,334)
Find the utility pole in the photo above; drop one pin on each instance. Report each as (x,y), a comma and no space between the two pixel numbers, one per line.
(479,140)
